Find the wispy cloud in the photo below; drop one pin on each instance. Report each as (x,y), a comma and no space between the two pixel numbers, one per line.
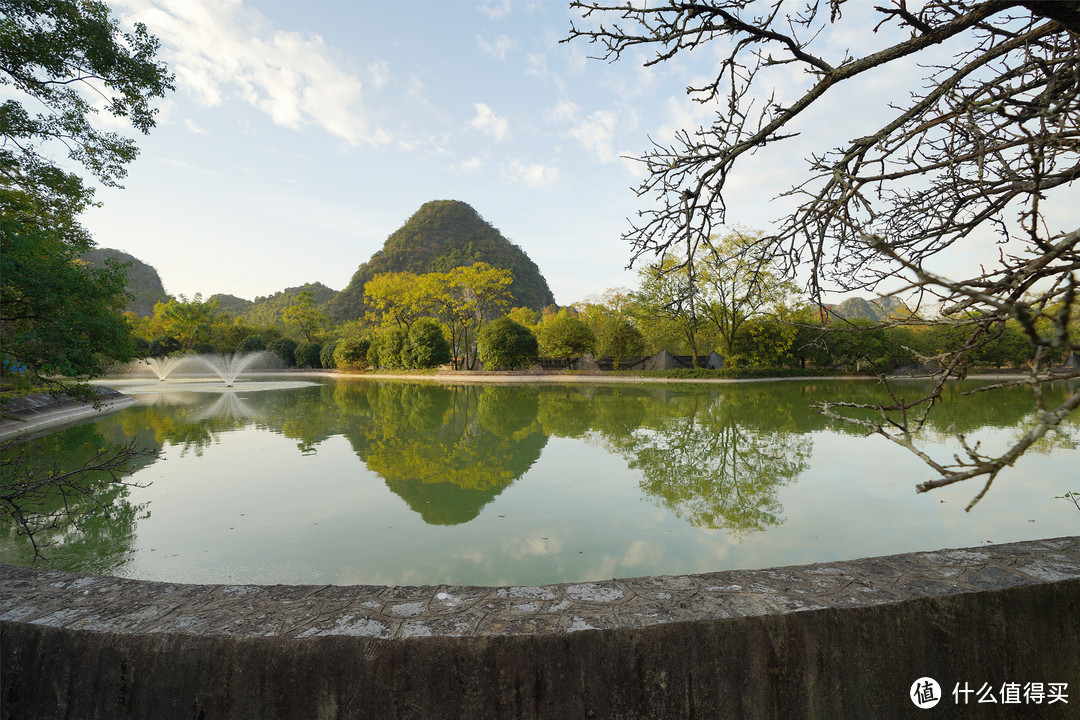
(534,175)
(487,121)
(596,133)
(496,9)
(220,50)
(192,127)
(497,47)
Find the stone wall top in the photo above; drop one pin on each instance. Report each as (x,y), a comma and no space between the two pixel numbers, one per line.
(108,604)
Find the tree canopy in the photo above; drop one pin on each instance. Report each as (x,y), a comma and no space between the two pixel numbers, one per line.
(61,60)
(979,150)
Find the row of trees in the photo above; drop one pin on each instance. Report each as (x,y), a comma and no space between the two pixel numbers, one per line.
(736,305)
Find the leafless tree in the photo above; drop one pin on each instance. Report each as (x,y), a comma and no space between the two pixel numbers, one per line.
(973,154)
(43,499)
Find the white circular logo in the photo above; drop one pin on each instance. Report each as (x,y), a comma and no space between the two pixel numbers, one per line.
(925,693)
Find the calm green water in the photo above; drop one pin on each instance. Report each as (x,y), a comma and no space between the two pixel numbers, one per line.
(361,481)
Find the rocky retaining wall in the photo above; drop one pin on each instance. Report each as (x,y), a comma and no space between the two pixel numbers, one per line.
(835,640)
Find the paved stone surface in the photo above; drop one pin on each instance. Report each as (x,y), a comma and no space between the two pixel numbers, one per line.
(88,602)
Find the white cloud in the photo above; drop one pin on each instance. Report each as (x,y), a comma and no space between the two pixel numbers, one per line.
(534,175)
(596,132)
(564,111)
(471,165)
(192,127)
(487,121)
(380,74)
(495,9)
(498,47)
(220,50)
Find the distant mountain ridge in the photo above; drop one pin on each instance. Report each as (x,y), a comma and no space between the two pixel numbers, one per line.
(440,236)
(876,309)
(143,282)
(266,310)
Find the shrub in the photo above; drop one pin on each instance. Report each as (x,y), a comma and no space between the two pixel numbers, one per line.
(203,348)
(251,344)
(506,344)
(425,346)
(140,346)
(161,346)
(564,335)
(285,349)
(326,355)
(307,355)
(351,353)
(386,349)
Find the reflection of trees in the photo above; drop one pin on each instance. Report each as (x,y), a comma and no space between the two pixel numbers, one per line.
(83,524)
(447,451)
(964,411)
(718,460)
(191,427)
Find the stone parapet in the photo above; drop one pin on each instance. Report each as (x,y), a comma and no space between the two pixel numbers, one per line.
(842,639)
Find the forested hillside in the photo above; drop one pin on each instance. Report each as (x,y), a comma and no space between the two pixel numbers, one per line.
(143,282)
(440,236)
(266,310)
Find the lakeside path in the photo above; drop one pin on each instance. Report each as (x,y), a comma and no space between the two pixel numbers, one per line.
(33,413)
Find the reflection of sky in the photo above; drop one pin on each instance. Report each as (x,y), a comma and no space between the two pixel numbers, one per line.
(252,508)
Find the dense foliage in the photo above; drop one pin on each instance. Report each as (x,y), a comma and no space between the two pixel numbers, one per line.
(425,345)
(507,345)
(564,335)
(55,54)
(308,355)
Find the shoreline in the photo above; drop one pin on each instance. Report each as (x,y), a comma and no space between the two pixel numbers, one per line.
(43,411)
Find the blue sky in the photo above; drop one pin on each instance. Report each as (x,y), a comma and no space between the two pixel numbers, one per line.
(301,134)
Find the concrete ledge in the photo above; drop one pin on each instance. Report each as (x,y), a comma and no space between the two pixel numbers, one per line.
(832,640)
(27,413)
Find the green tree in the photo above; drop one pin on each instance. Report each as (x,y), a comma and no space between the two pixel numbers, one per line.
(468,296)
(308,355)
(398,298)
(302,316)
(666,294)
(57,316)
(53,55)
(563,336)
(426,346)
(507,345)
(387,349)
(189,321)
(738,285)
(285,349)
(351,353)
(526,317)
(619,338)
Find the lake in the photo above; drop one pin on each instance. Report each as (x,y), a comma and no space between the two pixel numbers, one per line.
(363,481)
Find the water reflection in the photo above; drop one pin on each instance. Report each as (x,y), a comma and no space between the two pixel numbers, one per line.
(99,537)
(716,458)
(447,451)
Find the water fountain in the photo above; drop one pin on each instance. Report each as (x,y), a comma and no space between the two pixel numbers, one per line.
(187,373)
(163,366)
(229,367)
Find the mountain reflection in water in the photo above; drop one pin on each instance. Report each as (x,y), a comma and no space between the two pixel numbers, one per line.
(716,458)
